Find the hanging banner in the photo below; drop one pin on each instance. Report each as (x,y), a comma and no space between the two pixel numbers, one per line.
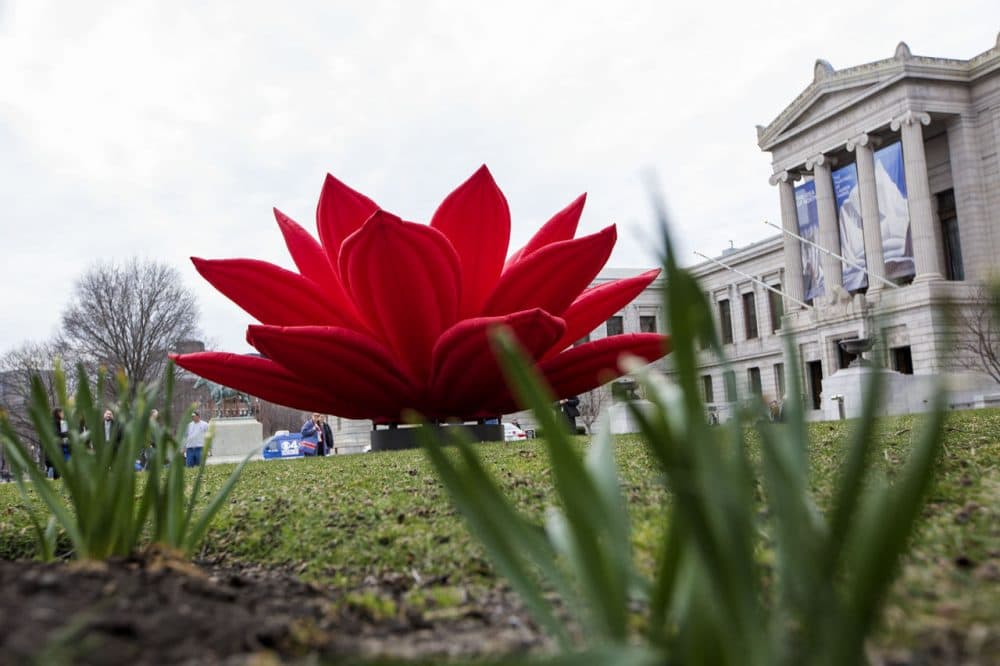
(890,184)
(808,218)
(852,236)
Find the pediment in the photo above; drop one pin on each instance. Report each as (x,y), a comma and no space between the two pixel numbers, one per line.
(819,101)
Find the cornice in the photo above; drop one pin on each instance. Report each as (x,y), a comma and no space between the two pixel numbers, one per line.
(877,75)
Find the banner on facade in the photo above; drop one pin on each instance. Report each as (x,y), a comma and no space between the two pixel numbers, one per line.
(852,236)
(890,184)
(808,218)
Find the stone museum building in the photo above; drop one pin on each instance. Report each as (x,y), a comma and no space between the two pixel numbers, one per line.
(888,179)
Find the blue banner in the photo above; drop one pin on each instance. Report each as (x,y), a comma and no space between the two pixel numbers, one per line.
(812,268)
(852,235)
(890,184)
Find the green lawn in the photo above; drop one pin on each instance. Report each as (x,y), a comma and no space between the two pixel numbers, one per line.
(339,520)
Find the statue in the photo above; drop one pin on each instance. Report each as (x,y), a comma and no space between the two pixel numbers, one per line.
(227,401)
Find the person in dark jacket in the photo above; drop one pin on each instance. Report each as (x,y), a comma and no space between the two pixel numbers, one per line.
(62,432)
(571,409)
(312,434)
(327,436)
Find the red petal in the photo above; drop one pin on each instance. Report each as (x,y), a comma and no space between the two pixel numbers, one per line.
(346,362)
(312,262)
(466,373)
(341,211)
(270,294)
(257,376)
(562,226)
(594,306)
(476,219)
(592,364)
(405,277)
(552,277)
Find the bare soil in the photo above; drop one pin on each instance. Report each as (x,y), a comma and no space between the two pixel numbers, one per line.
(161,609)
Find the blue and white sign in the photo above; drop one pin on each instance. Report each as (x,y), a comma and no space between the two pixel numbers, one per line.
(812,269)
(894,211)
(852,236)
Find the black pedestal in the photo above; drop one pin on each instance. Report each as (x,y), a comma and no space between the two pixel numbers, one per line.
(392,439)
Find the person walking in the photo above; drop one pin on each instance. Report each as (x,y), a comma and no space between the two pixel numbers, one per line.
(194,440)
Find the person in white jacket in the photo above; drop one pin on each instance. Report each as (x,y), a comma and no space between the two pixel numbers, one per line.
(194,441)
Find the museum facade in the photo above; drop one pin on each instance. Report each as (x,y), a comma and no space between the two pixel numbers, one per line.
(888,180)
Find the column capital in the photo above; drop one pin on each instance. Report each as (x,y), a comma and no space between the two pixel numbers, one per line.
(785,176)
(909,117)
(820,160)
(865,140)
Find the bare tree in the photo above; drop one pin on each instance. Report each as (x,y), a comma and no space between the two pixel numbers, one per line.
(276,417)
(978,341)
(128,317)
(17,367)
(591,405)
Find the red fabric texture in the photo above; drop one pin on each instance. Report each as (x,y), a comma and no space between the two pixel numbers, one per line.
(466,373)
(386,315)
(562,226)
(476,219)
(552,277)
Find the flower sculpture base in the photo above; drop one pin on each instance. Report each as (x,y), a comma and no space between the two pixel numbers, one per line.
(405,437)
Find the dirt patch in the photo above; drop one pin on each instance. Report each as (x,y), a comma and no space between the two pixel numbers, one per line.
(159,609)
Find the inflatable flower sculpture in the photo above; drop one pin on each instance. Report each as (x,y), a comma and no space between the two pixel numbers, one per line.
(385,314)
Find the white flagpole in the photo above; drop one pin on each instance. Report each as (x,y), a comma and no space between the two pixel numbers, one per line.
(750,277)
(833,254)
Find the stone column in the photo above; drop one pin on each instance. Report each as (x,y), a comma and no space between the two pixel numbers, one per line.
(970,201)
(792,283)
(863,145)
(918,194)
(829,232)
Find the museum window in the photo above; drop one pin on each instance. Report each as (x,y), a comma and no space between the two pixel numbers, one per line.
(616,325)
(779,379)
(647,323)
(948,215)
(729,380)
(902,360)
(753,381)
(706,384)
(777,307)
(726,321)
(750,315)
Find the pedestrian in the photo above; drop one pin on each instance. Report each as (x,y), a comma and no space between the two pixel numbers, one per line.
(62,433)
(312,435)
(194,441)
(112,433)
(149,451)
(327,435)
(571,409)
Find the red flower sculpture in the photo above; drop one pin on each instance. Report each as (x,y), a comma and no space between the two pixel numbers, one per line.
(385,315)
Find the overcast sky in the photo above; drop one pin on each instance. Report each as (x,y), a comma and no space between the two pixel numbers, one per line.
(170,129)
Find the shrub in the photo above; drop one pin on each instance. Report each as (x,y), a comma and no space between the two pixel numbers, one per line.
(102,504)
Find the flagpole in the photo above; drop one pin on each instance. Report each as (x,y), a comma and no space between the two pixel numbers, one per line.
(750,277)
(833,254)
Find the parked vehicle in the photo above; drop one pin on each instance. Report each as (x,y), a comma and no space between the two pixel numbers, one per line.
(511,433)
(283,444)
